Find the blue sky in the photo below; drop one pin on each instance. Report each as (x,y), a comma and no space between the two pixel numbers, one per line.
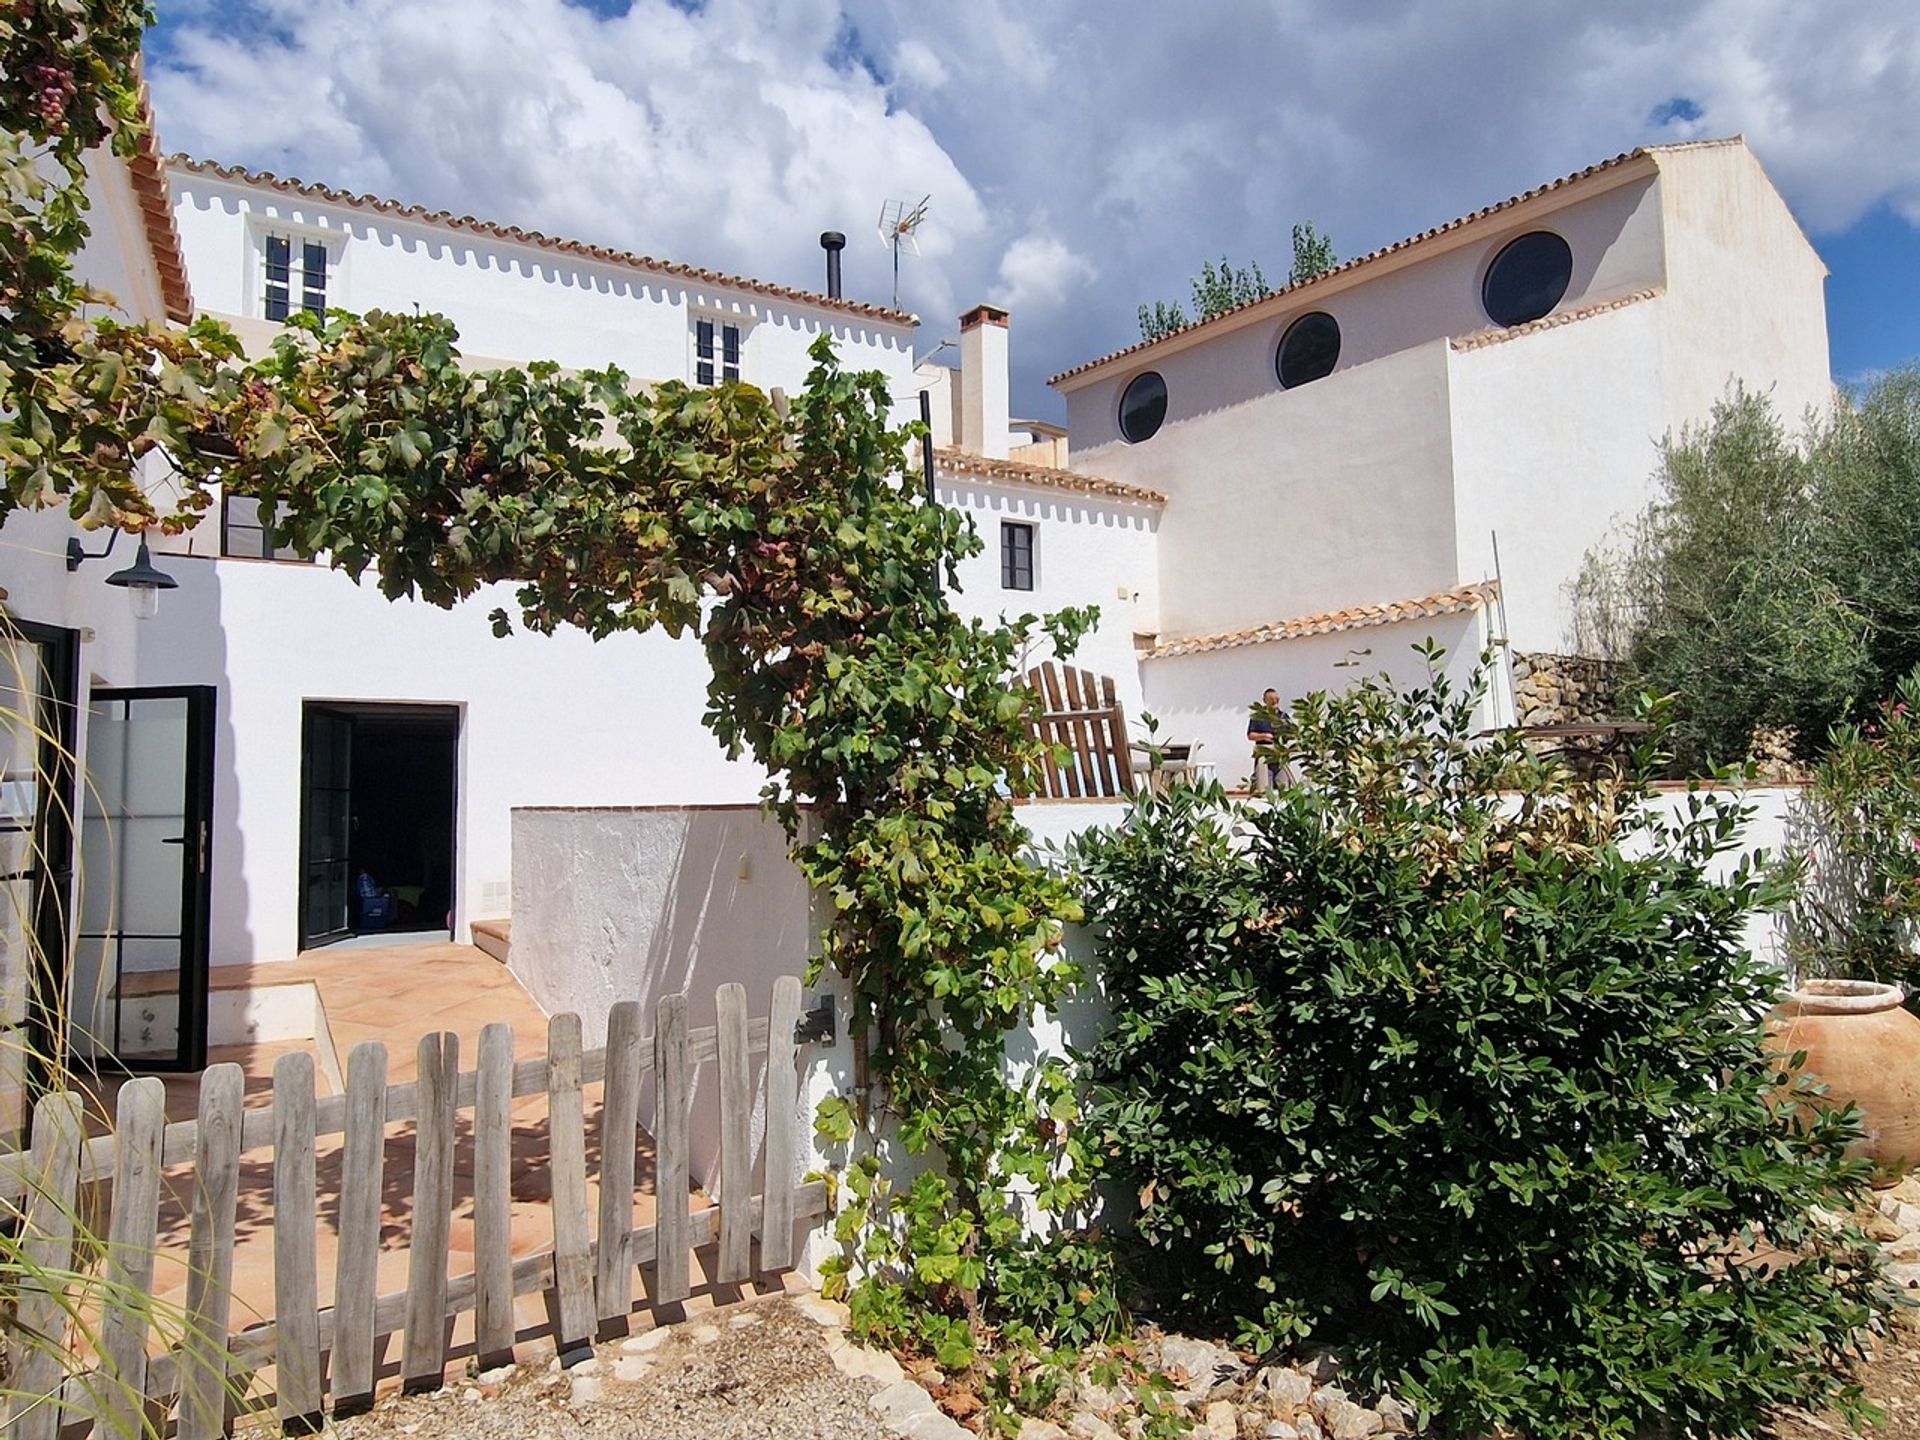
(1873,294)
(1082,155)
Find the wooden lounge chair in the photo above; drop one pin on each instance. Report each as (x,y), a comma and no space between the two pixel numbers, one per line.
(1081,714)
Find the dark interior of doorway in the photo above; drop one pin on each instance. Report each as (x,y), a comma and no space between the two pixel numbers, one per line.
(378,824)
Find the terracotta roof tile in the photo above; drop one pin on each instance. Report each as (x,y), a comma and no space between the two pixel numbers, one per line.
(1494,335)
(1282,298)
(493,230)
(147,171)
(1358,617)
(963,462)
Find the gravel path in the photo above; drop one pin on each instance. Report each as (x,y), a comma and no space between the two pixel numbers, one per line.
(764,1370)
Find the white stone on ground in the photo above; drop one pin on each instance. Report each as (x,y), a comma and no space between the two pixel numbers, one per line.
(822,1311)
(1091,1427)
(861,1363)
(584,1390)
(910,1410)
(1286,1387)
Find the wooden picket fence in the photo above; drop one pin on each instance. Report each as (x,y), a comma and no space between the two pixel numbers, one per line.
(588,1273)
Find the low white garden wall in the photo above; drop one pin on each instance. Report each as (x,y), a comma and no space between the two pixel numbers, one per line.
(636,903)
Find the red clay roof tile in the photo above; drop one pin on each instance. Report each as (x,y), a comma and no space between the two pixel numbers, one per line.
(400,210)
(1426,607)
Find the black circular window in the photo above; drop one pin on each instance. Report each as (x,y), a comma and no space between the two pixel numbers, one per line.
(1527,278)
(1309,349)
(1143,406)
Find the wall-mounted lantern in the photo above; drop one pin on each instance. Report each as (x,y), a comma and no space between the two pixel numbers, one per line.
(143,580)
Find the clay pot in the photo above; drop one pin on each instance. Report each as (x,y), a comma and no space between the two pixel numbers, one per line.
(1865,1047)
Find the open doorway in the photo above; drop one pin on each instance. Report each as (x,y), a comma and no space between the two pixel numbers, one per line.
(377,808)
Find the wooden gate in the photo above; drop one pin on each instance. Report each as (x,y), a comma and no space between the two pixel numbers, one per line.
(588,1272)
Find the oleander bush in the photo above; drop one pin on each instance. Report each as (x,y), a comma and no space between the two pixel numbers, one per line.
(1453,1058)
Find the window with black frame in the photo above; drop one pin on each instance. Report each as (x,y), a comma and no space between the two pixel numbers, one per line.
(1016,555)
(244,533)
(284,280)
(716,352)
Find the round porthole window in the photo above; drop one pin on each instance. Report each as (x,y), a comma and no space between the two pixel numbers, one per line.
(1309,350)
(1527,278)
(1143,405)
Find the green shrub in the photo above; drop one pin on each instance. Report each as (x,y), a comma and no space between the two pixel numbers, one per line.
(1774,581)
(1454,1059)
(1856,863)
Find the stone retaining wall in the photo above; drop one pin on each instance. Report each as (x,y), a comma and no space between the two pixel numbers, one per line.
(1561,689)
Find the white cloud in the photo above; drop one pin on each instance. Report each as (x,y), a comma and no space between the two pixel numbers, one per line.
(1149,136)
(730,137)
(1038,271)
(915,65)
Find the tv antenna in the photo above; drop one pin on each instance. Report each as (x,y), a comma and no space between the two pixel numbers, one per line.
(899,223)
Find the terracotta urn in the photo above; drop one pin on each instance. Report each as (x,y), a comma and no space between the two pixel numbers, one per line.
(1864,1046)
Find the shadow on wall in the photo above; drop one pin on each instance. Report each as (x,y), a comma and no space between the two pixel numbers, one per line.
(639,903)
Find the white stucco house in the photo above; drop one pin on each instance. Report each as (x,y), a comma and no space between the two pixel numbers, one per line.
(276,731)
(1429,438)
(1287,495)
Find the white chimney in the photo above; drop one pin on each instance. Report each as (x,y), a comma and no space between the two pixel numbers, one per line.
(984,412)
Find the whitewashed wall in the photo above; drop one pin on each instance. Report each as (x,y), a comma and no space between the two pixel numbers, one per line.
(1429,293)
(1556,438)
(1341,492)
(1557,433)
(1295,501)
(515,301)
(1206,697)
(1748,288)
(115,258)
(1088,550)
(543,720)
(635,903)
(1389,478)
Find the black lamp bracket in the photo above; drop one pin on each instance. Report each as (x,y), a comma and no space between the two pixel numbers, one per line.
(75,554)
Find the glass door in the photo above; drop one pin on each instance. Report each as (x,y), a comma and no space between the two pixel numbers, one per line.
(38,677)
(139,993)
(326,828)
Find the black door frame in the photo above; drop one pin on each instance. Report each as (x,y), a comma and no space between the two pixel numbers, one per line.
(303,938)
(455,714)
(196,873)
(53,843)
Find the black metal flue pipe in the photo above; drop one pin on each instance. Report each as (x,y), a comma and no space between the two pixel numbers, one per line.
(833,242)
